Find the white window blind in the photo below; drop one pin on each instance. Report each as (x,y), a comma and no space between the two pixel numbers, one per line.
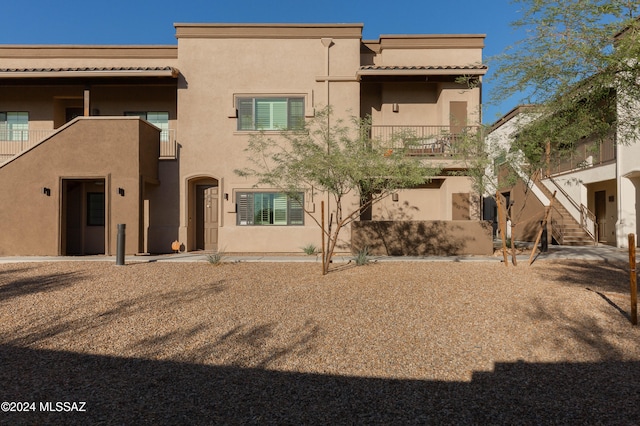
(270,113)
(269,208)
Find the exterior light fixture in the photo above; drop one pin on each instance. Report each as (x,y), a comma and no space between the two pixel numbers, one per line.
(121,192)
(46,191)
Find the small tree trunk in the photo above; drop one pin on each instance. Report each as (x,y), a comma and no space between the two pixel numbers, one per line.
(324,268)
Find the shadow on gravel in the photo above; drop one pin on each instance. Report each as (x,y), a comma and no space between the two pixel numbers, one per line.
(36,284)
(597,275)
(138,391)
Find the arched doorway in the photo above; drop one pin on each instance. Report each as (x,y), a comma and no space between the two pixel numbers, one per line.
(203,214)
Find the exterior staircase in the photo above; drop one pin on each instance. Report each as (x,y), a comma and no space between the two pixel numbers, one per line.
(565,229)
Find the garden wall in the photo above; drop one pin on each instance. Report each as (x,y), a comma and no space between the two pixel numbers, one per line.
(423,238)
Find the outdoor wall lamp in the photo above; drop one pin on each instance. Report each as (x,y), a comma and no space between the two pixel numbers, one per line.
(226,196)
(394,197)
(121,192)
(396,107)
(46,191)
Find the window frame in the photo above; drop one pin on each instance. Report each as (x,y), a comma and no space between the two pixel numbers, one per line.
(250,213)
(250,110)
(16,129)
(164,127)
(96,213)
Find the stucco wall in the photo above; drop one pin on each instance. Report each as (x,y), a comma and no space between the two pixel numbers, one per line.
(86,149)
(216,70)
(423,238)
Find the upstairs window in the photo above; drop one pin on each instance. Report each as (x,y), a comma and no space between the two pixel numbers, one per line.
(269,208)
(270,113)
(159,119)
(14,126)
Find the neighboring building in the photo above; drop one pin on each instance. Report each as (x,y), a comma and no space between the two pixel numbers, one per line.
(150,136)
(597,188)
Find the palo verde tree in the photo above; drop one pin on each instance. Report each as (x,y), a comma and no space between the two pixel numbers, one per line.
(579,65)
(338,158)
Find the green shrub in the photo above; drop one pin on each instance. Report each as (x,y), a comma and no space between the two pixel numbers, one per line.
(216,258)
(310,249)
(362,257)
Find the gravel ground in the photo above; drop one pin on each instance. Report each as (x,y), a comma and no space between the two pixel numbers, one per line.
(267,343)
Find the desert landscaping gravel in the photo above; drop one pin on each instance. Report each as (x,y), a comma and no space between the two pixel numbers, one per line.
(278,343)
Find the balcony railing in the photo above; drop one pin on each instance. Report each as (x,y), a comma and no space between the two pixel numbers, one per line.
(434,141)
(168,145)
(13,142)
(587,153)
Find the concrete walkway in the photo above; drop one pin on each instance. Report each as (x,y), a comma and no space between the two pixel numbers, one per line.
(600,252)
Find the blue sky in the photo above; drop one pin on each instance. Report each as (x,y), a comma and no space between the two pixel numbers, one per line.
(151,22)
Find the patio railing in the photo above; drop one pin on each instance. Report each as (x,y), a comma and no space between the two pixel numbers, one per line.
(437,141)
(587,153)
(13,142)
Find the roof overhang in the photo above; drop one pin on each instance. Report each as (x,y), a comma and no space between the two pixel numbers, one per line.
(419,73)
(89,72)
(379,71)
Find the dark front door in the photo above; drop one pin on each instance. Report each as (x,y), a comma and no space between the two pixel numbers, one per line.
(84,215)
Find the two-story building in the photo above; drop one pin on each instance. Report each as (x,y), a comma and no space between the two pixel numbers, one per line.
(150,136)
(596,186)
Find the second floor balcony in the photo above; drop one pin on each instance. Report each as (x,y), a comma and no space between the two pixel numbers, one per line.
(589,152)
(429,141)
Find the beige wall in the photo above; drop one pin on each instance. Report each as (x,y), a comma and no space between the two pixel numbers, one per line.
(434,202)
(218,68)
(423,238)
(217,63)
(108,150)
(431,49)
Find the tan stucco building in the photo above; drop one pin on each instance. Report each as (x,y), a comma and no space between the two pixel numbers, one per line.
(150,136)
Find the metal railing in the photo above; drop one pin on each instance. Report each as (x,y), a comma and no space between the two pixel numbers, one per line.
(587,153)
(168,145)
(13,142)
(588,222)
(440,141)
(587,217)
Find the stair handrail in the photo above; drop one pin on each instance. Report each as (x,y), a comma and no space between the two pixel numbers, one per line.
(586,216)
(588,222)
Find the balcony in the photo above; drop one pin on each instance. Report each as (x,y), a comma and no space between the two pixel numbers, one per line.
(13,142)
(589,152)
(429,141)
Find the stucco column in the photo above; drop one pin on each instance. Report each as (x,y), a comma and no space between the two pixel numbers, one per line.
(87,101)
(626,211)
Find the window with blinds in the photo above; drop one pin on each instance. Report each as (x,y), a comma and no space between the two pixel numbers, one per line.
(270,113)
(269,208)
(14,126)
